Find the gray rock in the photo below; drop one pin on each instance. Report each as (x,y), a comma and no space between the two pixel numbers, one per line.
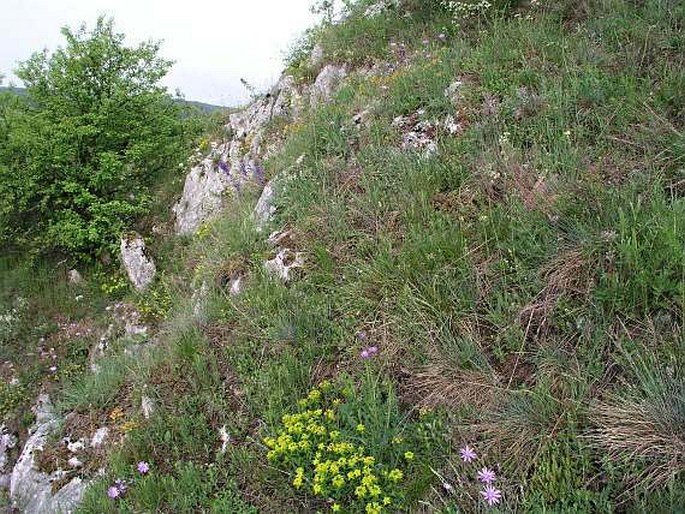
(76,446)
(452,126)
(139,266)
(454,92)
(133,326)
(231,164)
(30,488)
(417,135)
(74,462)
(74,277)
(375,9)
(265,209)
(316,57)
(236,286)
(276,103)
(7,442)
(326,83)
(225,439)
(282,265)
(99,437)
(147,406)
(280,238)
(202,197)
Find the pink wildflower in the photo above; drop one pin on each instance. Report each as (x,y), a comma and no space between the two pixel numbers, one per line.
(491,495)
(121,486)
(369,352)
(468,454)
(486,475)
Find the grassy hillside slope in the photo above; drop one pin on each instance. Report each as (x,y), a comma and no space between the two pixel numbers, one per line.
(516,289)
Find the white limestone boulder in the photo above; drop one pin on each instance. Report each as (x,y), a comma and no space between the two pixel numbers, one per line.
(139,266)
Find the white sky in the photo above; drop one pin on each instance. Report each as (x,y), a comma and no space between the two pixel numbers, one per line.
(214,42)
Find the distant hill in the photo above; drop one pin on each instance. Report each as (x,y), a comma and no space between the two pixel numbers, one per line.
(203,106)
(200,105)
(17,90)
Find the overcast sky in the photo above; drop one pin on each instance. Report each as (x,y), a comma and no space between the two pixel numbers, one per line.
(214,42)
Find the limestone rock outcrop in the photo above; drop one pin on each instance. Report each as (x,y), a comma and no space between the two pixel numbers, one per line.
(31,490)
(230,165)
(139,266)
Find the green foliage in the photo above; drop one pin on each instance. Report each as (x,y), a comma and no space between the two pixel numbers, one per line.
(11,397)
(157,300)
(185,489)
(297,60)
(345,444)
(559,480)
(79,153)
(114,284)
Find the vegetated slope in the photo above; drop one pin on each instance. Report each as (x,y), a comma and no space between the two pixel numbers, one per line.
(492,218)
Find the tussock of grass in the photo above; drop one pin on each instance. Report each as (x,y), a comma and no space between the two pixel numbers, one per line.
(642,426)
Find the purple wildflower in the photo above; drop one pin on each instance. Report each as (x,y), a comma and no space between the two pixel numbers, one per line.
(362,335)
(258,174)
(468,454)
(491,495)
(223,165)
(486,475)
(143,467)
(113,492)
(121,486)
(369,352)
(236,185)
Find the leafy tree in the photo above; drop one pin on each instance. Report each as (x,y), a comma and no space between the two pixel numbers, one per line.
(79,152)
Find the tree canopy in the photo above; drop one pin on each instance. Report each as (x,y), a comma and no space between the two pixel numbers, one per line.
(79,151)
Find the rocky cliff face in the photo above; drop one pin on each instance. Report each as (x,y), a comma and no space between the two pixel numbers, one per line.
(231,164)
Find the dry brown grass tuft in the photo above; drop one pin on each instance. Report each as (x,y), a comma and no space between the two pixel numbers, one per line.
(230,270)
(537,192)
(634,429)
(439,385)
(643,426)
(569,274)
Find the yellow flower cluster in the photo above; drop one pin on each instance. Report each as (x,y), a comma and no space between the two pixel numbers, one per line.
(312,444)
(292,128)
(116,413)
(129,426)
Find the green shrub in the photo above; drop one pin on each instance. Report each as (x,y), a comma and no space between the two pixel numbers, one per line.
(81,150)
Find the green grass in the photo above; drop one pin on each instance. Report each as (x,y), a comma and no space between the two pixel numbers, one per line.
(47,323)
(524,286)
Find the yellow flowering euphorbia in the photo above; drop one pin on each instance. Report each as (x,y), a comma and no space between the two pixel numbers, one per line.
(313,444)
